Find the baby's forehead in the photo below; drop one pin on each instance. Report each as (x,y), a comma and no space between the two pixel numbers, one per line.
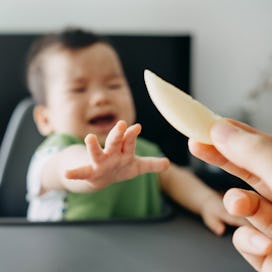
(93,53)
(98,59)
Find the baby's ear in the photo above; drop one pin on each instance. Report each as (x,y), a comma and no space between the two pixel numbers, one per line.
(41,120)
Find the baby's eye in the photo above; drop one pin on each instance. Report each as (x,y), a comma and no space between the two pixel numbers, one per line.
(78,90)
(115,86)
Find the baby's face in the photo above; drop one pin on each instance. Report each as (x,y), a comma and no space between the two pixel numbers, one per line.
(87,91)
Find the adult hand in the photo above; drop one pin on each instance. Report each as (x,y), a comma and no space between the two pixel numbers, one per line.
(247,153)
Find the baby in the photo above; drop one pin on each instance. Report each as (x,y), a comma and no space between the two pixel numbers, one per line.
(93,164)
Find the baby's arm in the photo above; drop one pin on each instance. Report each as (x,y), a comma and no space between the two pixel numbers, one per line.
(90,168)
(189,191)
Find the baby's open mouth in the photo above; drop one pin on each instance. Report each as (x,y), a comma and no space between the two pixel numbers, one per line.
(102,119)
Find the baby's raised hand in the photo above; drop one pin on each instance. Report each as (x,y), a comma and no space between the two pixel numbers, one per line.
(216,217)
(117,160)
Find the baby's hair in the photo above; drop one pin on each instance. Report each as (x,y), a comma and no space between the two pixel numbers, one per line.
(70,38)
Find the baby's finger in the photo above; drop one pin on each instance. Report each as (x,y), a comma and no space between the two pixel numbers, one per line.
(254,207)
(114,139)
(151,164)
(130,137)
(215,225)
(93,147)
(84,172)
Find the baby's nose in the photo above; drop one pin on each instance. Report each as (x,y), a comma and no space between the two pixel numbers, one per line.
(98,97)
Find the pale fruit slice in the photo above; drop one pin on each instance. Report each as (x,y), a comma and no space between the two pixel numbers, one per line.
(184,113)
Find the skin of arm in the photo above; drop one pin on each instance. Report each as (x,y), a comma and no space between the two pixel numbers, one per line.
(189,191)
(89,168)
(54,172)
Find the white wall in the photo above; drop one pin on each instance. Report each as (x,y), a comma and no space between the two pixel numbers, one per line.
(232,38)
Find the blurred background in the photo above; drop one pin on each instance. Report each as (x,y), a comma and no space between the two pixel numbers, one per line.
(232,45)
(231,59)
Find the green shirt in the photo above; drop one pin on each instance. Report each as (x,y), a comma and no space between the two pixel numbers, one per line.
(138,197)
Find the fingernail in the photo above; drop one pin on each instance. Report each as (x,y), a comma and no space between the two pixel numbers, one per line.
(260,242)
(222,130)
(231,199)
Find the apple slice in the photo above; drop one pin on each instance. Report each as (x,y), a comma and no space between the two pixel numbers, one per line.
(184,113)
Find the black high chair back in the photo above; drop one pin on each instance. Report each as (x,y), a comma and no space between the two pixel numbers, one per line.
(168,56)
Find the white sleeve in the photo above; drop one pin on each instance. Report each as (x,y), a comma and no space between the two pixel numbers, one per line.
(49,206)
